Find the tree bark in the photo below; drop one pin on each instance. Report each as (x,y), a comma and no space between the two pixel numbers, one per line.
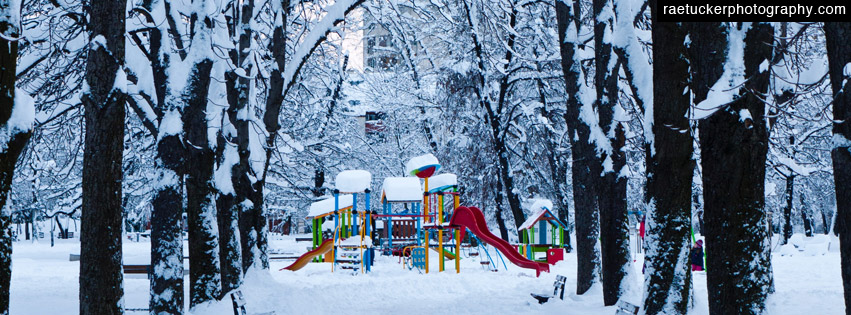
(733,148)
(204,272)
(838,40)
(239,96)
(584,168)
(669,175)
(101,278)
(230,255)
(614,228)
(9,156)
(167,204)
(167,237)
(274,101)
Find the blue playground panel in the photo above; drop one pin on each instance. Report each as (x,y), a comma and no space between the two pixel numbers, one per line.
(418,258)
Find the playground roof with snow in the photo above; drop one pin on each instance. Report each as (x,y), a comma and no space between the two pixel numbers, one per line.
(402,189)
(422,166)
(442,182)
(353,181)
(325,206)
(541,212)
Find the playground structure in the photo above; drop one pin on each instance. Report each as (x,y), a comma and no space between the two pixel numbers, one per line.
(416,220)
(402,225)
(474,220)
(542,234)
(434,200)
(352,251)
(351,246)
(322,214)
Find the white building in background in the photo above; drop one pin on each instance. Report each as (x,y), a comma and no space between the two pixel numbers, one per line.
(380,52)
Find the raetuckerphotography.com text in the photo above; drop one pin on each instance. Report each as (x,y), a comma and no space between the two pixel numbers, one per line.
(677,11)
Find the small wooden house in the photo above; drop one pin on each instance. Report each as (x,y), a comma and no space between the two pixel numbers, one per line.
(542,230)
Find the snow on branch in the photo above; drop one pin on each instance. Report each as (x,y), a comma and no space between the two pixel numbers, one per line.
(637,63)
(726,89)
(20,121)
(336,13)
(10,19)
(23,114)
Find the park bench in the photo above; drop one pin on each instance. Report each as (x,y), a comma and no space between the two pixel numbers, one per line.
(558,290)
(144,270)
(626,308)
(239,304)
(137,269)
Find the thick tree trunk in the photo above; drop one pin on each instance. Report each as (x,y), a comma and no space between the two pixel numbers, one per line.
(734,142)
(166,287)
(247,183)
(614,228)
(8,159)
(838,40)
(584,168)
(204,272)
(669,175)
(274,102)
(259,228)
(230,255)
(101,278)
(787,210)
(167,237)
(9,156)
(230,246)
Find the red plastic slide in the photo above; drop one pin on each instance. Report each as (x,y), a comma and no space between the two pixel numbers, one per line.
(473,219)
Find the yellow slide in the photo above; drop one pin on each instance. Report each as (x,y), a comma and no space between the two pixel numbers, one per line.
(446,253)
(307,257)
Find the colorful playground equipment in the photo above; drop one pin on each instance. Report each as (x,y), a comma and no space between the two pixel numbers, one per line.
(351,245)
(417,219)
(322,215)
(542,234)
(307,257)
(401,215)
(474,220)
(437,216)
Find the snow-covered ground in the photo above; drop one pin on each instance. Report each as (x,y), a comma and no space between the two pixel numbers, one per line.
(44,281)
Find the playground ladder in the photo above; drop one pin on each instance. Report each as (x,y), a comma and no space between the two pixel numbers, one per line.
(349,257)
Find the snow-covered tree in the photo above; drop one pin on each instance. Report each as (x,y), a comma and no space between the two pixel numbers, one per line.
(580,130)
(104,97)
(733,142)
(837,36)
(669,175)
(16,122)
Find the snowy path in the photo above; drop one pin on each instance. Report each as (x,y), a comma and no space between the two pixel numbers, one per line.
(45,282)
